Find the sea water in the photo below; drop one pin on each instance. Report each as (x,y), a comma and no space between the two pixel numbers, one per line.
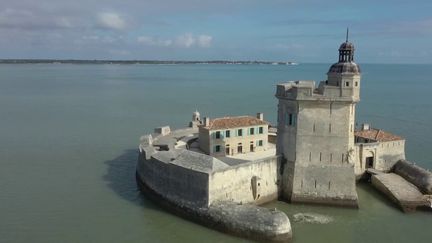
(69,136)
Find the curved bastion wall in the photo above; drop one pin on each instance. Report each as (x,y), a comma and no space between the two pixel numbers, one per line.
(197,179)
(174,182)
(209,191)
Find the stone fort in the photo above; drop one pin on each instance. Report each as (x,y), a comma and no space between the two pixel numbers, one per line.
(315,154)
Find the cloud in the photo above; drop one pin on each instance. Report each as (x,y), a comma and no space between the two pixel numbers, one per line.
(28,20)
(186,40)
(205,40)
(111,20)
(151,41)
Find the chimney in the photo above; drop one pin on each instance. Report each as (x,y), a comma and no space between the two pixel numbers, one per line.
(206,121)
(365,127)
(260,116)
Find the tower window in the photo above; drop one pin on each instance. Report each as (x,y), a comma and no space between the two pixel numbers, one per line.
(347,84)
(290,119)
(356,84)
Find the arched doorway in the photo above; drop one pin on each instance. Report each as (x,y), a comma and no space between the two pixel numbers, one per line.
(370,160)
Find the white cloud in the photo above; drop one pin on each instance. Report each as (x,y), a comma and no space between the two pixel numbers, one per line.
(205,40)
(151,41)
(111,20)
(186,40)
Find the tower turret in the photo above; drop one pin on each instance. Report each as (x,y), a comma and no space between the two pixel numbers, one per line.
(346,73)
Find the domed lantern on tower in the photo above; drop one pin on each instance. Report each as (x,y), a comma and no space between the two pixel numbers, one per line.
(346,62)
(345,74)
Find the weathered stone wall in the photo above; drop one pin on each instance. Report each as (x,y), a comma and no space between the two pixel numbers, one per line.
(363,151)
(204,140)
(176,183)
(384,154)
(324,184)
(252,182)
(319,150)
(415,174)
(389,153)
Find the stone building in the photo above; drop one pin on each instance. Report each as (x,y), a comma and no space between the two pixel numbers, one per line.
(377,149)
(316,134)
(233,135)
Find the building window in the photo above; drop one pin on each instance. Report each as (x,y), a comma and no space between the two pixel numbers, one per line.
(290,119)
(260,143)
(347,84)
(227,133)
(261,130)
(356,84)
(218,135)
(251,131)
(240,132)
(217,148)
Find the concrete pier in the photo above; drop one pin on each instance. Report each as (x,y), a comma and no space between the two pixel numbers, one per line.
(406,195)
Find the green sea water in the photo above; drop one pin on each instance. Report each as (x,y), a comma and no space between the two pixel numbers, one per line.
(69,137)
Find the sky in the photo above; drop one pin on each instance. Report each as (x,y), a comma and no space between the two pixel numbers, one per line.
(383,31)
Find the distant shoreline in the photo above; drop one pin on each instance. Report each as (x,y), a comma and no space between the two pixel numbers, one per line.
(73,61)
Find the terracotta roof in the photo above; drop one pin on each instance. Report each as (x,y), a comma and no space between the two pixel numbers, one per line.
(377,135)
(233,122)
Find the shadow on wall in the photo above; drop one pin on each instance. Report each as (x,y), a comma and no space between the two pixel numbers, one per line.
(120,178)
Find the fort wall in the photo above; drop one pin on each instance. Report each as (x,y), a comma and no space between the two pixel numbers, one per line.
(176,183)
(251,182)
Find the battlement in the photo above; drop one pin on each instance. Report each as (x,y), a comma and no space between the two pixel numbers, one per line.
(306,90)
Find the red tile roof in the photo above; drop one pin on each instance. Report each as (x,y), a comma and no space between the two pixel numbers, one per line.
(377,135)
(233,122)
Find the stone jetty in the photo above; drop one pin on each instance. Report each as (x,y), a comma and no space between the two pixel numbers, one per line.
(409,186)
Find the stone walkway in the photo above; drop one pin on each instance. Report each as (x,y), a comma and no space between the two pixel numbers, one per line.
(403,193)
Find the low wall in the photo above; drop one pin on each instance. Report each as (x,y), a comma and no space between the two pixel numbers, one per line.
(415,174)
(253,182)
(178,184)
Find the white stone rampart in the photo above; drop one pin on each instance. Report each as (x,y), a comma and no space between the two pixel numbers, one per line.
(251,182)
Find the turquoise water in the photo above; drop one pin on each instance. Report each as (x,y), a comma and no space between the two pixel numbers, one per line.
(69,133)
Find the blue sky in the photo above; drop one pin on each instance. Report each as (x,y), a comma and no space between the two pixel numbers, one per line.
(383,31)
